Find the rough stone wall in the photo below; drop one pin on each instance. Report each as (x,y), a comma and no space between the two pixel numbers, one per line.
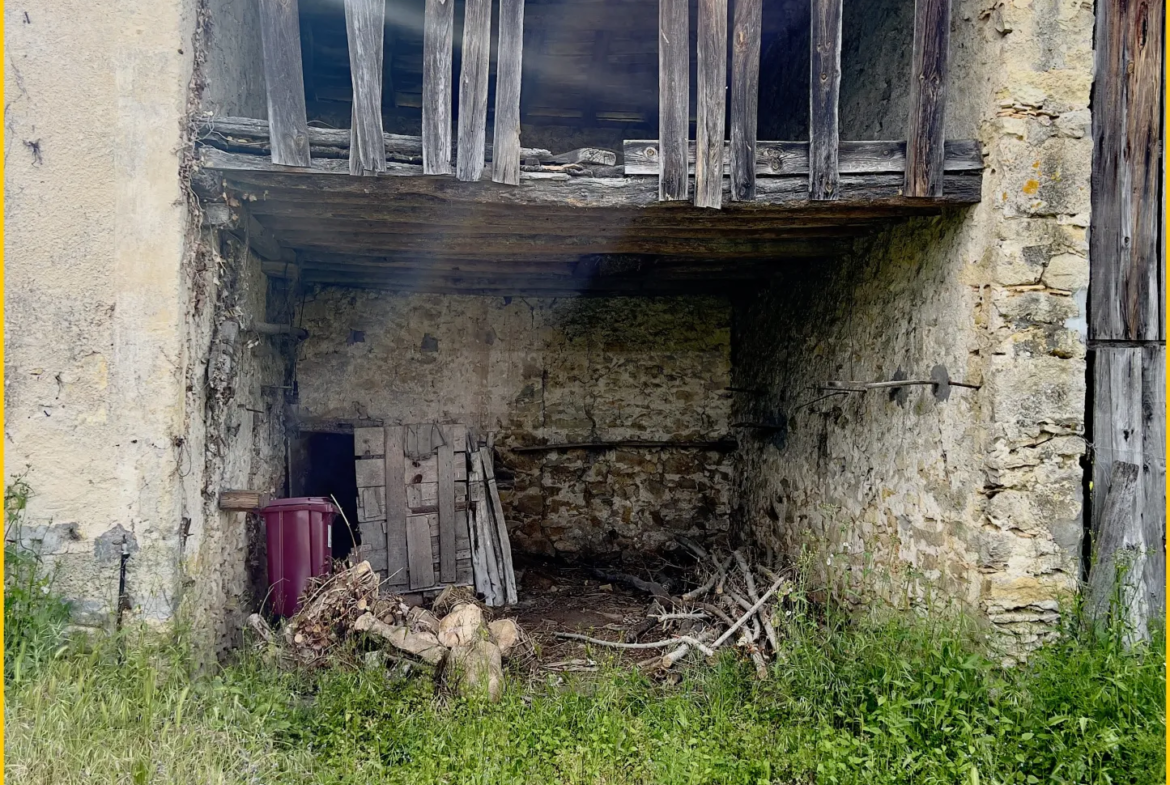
(542,371)
(977,498)
(235,434)
(95,237)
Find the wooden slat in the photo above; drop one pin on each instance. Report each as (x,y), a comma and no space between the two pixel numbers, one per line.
(446,513)
(745,96)
(928,98)
(710,103)
(824,92)
(506,134)
(479,547)
(1126,262)
(787,159)
(1153,499)
(368,442)
(473,89)
(673,94)
(1119,552)
(370,473)
(507,574)
(371,503)
(364,22)
(421,555)
(280,38)
(396,550)
(438,30)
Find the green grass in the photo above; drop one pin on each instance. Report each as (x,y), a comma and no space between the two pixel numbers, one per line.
(893,699)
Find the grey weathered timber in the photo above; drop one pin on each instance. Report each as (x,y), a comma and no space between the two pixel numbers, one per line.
(745,97)
(420,552)
(881,192)
(1153,499)
(446,456)
(1115,577)
(506,135)
(711,103)
(507,574)
(928,98)
(280,39)
(394,468)
(364,23)
(243,134)
(673,95)
(783,159)
(1124,290)
(584,155)
(438,31)
(824,92)
(473,89)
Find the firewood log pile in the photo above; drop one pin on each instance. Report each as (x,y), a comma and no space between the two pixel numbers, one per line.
(464,646)
(736,603)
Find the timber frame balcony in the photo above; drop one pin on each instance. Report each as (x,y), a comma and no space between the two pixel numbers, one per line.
(437,213)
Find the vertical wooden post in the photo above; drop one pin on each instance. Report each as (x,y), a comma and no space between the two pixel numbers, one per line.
(824,93)
(284,78)
(506,136)
(745,97)
(438,31)
(473,89)
(928,98)
(711,103)
(673,95)
(446,502)
(364,23)
(1126,319)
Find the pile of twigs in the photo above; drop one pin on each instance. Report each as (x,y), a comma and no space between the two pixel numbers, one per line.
(731,604)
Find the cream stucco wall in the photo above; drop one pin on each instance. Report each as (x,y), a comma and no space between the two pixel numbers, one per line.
(95,224)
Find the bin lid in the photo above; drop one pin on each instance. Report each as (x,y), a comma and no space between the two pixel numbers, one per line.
(312,503)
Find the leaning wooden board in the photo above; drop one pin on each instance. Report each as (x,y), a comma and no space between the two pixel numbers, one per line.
(412,504)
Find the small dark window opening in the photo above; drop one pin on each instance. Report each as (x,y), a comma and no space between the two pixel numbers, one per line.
(330,472)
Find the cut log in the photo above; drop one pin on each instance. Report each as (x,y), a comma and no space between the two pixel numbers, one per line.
(421,644)
(461,626)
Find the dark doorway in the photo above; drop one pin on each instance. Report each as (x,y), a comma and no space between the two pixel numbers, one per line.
(329,471)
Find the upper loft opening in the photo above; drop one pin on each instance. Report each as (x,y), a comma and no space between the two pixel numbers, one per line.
(594,143)
(590,69)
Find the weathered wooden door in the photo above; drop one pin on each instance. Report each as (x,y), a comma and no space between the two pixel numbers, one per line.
(412,504)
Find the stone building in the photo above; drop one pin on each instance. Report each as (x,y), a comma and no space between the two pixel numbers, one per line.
(201,297)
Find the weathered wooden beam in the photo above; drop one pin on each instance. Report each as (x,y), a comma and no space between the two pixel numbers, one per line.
(745,97)
(1126,261)
(506,135)
(473,89)
(824,93)
(280,38)
(1153,499)
(1115,578)
(243,501)
(364,23)
(584,155)
(673,95)
(438,31)
(243,134)
(928,99)
(785,159)
(721,445)
(711,103)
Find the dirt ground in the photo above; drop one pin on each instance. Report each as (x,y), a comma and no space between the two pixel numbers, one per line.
(556,598)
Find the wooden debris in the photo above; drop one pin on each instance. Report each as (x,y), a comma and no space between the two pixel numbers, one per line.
(420,644)
(506,633)
(461,625)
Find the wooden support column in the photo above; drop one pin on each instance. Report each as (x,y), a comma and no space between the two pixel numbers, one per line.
(1126,318)
(673,95)
(928,98)
(712,103)
(745,97)
(364,23)
(506,136)
(824,93)
(473,89)
(438,31)
(284,78)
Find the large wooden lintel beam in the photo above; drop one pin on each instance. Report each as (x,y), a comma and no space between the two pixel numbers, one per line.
(928,99)
(782,159)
